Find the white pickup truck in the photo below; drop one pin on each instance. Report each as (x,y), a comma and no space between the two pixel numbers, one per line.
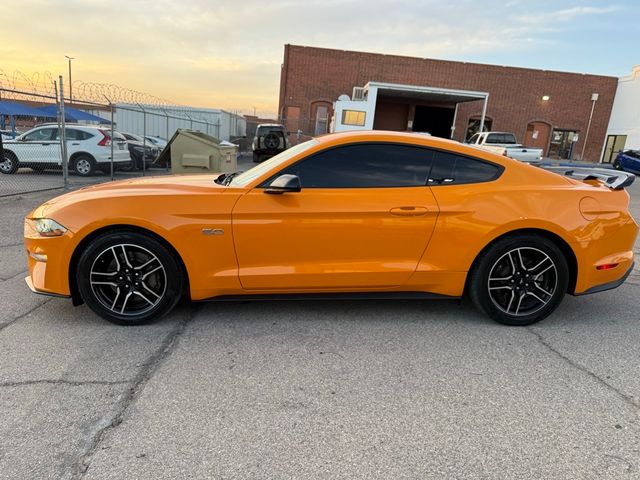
(505,144)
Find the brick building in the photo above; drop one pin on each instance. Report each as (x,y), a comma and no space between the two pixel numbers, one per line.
(545,109)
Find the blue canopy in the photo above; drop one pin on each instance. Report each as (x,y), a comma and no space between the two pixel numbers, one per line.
(13,108)
(73,114)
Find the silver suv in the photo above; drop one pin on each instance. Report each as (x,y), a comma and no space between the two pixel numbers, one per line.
(88,147)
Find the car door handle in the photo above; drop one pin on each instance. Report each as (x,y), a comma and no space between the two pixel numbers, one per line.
(409,211)
(75,144)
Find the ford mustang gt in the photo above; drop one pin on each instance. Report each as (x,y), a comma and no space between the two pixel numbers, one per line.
(356,215)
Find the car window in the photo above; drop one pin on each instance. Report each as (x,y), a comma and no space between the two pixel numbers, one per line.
(364,165)
(267,130)
(73,134)
(40,135)
(633,153)
(261,169)
(474,138)
(453,169)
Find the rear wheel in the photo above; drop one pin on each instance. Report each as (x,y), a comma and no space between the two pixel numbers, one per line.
(9,163)
(519,280)
(129,278)
(84,165)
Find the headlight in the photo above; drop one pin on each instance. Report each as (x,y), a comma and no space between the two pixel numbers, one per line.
(49,228)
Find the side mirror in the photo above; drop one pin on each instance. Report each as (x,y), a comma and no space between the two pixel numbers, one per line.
(284,183)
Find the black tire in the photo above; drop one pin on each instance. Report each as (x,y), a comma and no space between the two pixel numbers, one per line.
(126,167)
(145,286)
(9,164)
(84,165)
(617,165)
(512,285)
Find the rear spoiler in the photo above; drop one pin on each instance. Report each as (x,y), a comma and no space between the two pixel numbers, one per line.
(614,179)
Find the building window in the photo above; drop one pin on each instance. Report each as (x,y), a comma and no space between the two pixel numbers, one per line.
(354,117)
(322,119)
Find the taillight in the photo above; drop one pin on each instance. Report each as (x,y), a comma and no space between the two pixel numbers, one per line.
(106,139)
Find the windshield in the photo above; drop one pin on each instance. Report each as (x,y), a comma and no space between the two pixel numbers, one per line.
(247,177)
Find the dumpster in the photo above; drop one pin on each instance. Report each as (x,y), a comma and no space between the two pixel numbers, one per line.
(191,151)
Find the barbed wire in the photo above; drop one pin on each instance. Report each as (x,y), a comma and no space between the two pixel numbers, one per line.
(41,87)
(38,83)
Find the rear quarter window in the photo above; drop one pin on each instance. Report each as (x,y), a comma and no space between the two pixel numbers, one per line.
(453,169)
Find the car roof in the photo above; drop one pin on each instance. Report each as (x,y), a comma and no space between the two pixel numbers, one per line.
(270,125)
(73,125)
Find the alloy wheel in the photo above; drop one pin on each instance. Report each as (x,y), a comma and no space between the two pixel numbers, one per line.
(128,279)
(522,281)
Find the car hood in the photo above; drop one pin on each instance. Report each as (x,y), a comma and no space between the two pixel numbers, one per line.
(135,187)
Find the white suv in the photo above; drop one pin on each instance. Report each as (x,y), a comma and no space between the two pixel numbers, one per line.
(88,147)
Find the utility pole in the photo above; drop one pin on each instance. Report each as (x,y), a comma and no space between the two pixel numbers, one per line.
(594,99)
(70,88)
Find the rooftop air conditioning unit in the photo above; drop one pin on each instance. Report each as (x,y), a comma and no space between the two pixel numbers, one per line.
(358,94)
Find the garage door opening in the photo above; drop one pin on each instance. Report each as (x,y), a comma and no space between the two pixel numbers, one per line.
(434,120)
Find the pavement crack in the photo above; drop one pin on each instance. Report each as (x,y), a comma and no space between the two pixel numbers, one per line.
(129,396)
(623,396)
(72,383)
(20,317)
(22,272)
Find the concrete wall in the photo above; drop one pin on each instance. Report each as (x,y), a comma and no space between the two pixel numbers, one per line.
(625,116)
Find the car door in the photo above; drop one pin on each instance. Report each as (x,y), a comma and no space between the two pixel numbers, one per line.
(38,146)
(362,220)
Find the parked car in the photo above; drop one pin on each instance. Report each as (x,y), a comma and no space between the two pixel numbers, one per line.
(270,140)
(505,144)
(88,147)
(157,141)
(354,214)
(628,160)
(137,145)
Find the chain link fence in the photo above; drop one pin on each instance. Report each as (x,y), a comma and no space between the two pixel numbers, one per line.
(51,143)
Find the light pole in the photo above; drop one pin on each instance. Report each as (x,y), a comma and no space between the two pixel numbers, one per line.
(594,99)
(70,90)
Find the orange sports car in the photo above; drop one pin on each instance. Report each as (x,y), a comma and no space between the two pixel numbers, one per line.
(356,215)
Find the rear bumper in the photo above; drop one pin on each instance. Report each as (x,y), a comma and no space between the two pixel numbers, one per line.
(609,285)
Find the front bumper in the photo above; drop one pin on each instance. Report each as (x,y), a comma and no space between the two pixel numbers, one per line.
(48,262)
(29,282)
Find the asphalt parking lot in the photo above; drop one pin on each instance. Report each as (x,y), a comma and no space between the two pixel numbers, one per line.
(379,389)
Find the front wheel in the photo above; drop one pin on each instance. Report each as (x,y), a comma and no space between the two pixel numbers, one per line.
(519,280)
(9,164)
(129,278)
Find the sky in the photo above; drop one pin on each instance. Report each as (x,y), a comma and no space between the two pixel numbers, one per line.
(228,54)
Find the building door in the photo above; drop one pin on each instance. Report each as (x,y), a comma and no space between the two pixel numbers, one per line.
(562,144)
(434,120)
(614,144)
(537,136)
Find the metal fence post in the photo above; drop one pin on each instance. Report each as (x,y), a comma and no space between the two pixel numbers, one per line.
(63,137)
(144,142)
(112,139)
(112,123)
